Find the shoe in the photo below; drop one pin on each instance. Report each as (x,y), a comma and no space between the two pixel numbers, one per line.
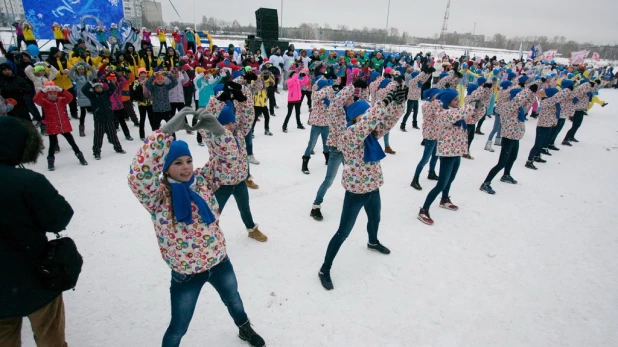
(530,165)
(447,204)
(268,133)
(201,144)
(389,150)
(572,139)
(277,107)
(82,131)
(121,151)
(273,115)
(285,130)
(327,282)
(546,152)
(305,168)
(189,132)
(312,152)
(486,187)
(379,248)
(80,157)
(423,216)
(478,132)
(538,159)
(498,141)
(43,129)
(97,156)
(256,234)
(36,124)
(253,161)
(488,146)
(415,184)
(128,138)
(316,213)
(423,142)
(402,128)
(553,148)
(604,104)
(566,143)
(137,126)
(246,333)
(74,116)
(467,156)
(534,115)
(300,127)
(57,150)
(432,176)
(251,184)
(415,125)
(326,157)
(252,136)
(508,179)
(50,163)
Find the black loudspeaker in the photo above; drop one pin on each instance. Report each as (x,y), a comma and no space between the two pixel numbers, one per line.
(267,24)
(255,44)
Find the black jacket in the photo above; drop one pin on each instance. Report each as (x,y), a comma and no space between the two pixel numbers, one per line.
(29,208)
(101,103)
(15,87)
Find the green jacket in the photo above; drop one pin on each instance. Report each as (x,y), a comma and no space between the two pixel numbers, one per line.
(377,64)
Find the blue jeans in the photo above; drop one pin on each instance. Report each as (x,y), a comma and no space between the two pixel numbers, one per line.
(241,194)
(448,171)
(352,204)
(185,290)
(429,152)
(412,105)
(317,131)
(497,128)
(386,137)
(249,142)
(334,161)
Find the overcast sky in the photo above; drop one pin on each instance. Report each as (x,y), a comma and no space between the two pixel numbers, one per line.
(591,20)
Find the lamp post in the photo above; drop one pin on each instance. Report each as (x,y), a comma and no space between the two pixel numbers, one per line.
(281,25)
(194,22)
(388,13)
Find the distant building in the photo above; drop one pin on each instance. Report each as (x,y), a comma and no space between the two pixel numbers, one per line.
(151,11)
(133,11)
(11,10)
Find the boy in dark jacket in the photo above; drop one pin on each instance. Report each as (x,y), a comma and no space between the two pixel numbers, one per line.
(103,116)
(160,91)
(29,208)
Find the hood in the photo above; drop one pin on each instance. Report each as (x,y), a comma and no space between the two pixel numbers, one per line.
(13,136)
(127,45)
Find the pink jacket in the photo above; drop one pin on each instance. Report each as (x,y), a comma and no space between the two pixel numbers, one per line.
(294,94)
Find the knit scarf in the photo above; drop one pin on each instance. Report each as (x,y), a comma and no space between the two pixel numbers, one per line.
(182,195)
(373,151)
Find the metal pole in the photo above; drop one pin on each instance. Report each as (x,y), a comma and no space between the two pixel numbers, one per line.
(388,13)
(473,30)
(281,25)
(194,22)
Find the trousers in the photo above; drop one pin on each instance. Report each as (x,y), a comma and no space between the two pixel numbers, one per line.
(542,134)
(412,107)
(556,130)
(335,160)
(578,118)
(508,154)
(53,143)
(48,326)
(241,195)
(448,171)
(429,155)
(100,129)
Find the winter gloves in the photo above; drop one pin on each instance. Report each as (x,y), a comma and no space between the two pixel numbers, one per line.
(533,88)
(178,122)
(206,121)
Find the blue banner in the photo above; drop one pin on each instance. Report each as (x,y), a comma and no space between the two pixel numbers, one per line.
(43,13)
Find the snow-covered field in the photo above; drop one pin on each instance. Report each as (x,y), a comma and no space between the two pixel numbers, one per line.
(534,265)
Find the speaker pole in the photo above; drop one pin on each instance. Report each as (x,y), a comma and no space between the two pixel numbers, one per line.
(281,26)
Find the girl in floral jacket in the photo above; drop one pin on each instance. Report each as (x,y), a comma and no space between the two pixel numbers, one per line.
(431,110)
(318,121)
(452,144)
(185,215)
(362,176)
(480,96)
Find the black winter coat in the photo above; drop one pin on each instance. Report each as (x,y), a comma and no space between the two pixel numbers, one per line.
(15,87)
(101,103)
(30,207)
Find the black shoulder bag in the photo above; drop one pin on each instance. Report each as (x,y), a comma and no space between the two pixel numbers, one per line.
(60,264)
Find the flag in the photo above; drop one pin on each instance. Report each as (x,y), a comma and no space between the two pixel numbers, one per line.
(532,53)
(550,55)
(441,55)
(521,49)
(263,50)
(578,57)
(596,56)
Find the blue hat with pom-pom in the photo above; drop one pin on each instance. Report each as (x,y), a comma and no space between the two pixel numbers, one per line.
(551,92)
(511,75)
(322,83)
(522,79)
(430,93)
(447,96)
(414,74)
(567,83)
(506,84)
(481,80)
(471,88)
(514,92)
(356,109)
(177,149)
(227,115)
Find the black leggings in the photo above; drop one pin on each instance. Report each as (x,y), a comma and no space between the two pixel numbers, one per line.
(161,45)
(82,114)
(176,106)
(272,102)
(291,106)
(143,112)
(264,111)
(508,154)
(471,129)
(120,114)
(308,93)
(53,143)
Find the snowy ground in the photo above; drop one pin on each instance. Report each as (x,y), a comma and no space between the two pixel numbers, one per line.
(534,265)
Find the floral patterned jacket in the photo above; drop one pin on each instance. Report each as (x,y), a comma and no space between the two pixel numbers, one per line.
(360,177)
(373,89)
(414,92)
(431,110)
(547,114)
(484,95)
(453,139)
(319,110)
(337,119)
(187,249)
(512,127)
(581,92)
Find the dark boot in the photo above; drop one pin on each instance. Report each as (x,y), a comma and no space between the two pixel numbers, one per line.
(530,165)
(403,127)
(432,176)
(80,157)
(246,333)
(305,168)
(50,163)
(415,184)
(326,157)
(415,125)
(538,159)
(316,213)
(478,131)
(423,142)
(82,131)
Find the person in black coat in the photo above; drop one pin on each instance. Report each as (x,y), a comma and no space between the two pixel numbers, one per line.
(17,88)
(30,207)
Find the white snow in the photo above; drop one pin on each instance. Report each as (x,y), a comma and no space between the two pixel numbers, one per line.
(534,265)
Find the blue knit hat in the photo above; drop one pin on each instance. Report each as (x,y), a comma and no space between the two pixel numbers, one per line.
(373,76)
(566,83)
(430,93)
(414,74)
(227,115)
(511,75)
(570,76)
(522,79)
(218,88)
(481,81)
(505,84)
(356,109)
(514,92)
(471,88)
(237,74)
(444,74)
(497,71)
(464,66)
(177,149)
(447,96)
(551,92)
(322,83)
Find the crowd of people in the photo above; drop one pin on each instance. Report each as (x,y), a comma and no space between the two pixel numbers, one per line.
(354,100)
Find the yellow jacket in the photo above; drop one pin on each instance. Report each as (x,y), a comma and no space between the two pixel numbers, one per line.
(58,33)
(62,80)
(152,63)
(260,98)
(28,34)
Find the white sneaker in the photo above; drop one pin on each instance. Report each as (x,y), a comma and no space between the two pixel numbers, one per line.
(488,146)
(253,161)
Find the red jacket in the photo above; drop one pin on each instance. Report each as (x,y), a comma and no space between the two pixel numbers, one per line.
(56,116)
(209,62)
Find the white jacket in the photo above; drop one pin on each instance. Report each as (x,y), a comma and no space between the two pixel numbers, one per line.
(39,81)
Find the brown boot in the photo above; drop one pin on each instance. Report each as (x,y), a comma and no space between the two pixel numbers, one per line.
(251,184)
(256,234)
(82,131)
(389,150)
